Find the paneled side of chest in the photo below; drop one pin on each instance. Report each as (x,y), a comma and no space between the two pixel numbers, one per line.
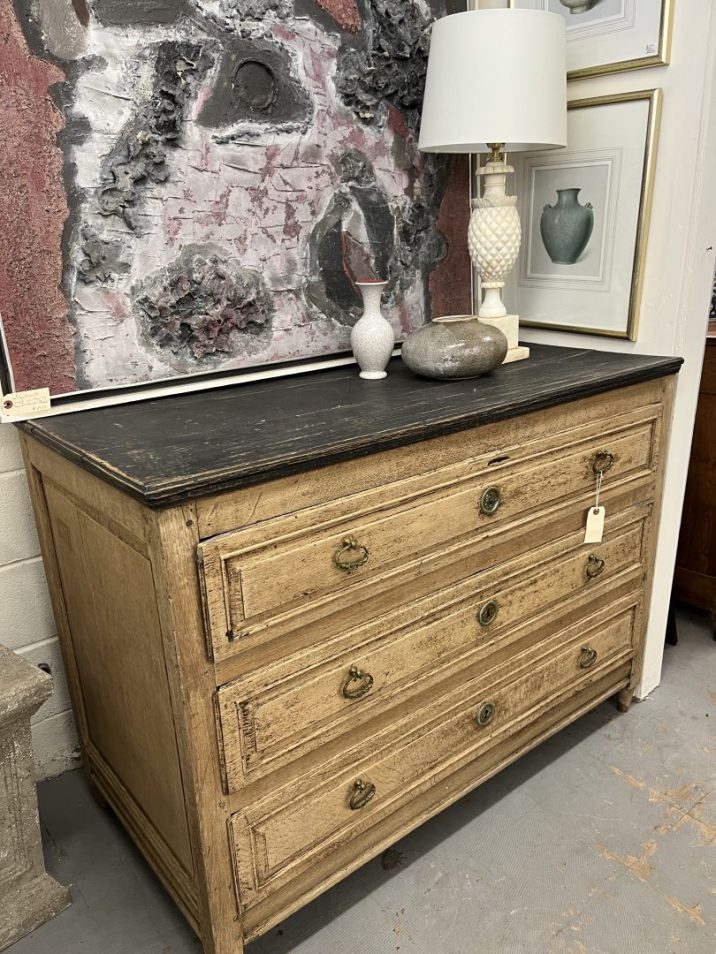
(276,683)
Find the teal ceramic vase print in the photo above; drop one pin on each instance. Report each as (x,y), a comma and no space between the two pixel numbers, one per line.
(567,227)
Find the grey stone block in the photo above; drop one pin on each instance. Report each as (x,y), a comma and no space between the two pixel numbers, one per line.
(29,895)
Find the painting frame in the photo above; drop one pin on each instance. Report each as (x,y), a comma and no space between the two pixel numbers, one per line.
(661,55)
(653,98)
(150,252)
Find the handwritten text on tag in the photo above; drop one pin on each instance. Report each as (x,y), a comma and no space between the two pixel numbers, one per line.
(26,403)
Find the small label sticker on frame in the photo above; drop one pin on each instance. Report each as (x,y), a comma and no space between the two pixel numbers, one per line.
(26,403)
(595,525)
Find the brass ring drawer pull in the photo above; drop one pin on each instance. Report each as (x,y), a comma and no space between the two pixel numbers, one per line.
(363,792)
(587,657)
(595,566)
(488,613)
(490,501)
(603,461)
(364,680)
(485,714)
(351,545)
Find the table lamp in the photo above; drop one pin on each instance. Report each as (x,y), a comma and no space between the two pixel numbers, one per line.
(496,83)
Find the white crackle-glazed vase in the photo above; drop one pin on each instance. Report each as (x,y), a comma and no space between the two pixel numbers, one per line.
(372,337)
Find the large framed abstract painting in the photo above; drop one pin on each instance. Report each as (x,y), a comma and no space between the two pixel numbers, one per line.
(192,188)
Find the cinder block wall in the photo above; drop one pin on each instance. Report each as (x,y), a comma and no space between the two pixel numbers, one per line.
(26,623)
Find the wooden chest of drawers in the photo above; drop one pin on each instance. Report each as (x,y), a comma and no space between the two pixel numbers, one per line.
(300,618)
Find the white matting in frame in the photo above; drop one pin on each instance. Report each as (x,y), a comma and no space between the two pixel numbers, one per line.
(591,282)
(607,36)
(591,175)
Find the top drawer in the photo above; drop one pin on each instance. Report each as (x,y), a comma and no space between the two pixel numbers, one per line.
(272,574)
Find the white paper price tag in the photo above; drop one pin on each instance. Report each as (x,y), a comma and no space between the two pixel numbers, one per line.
(595,525)
(26,403)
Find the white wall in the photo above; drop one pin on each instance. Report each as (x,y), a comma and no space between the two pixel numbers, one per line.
(680,263)
(26,623)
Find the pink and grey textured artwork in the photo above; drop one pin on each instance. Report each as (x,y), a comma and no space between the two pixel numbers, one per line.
(195,186)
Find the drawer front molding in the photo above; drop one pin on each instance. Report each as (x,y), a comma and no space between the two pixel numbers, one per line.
(249,581)
(277,838)
(309,698)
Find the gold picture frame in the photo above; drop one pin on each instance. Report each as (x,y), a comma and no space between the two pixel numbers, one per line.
(660,57)
(654,97)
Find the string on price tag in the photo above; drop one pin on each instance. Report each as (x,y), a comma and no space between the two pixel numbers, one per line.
(596,516)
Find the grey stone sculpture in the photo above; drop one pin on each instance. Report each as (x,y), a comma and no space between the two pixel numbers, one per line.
(460,346)
(29,896)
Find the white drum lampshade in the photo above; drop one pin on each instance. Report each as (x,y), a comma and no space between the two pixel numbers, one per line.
(496,76)
(497,82)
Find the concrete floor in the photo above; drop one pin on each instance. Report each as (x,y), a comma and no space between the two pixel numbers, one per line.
(599,842)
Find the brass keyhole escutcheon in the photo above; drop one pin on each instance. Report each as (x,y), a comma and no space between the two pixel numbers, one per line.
(587,657)
(485,714)
(358,684)
(361,793)
(490,501)
(603,462)
(595,566)
(351,555)
(488,613)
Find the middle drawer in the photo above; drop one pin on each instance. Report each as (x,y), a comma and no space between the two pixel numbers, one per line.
(280,713)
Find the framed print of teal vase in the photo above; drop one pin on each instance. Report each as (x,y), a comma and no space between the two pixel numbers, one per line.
(609,36)
(567,227)
(586,212)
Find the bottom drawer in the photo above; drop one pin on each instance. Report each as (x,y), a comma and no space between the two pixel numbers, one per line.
(298,825)
(349,854)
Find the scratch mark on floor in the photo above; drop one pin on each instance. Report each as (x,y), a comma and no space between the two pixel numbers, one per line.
(685,793)
(694,913)
(691,791)
(579,948)
(705,829)
(640,866)
(693,817)
(672,821)
(629,779)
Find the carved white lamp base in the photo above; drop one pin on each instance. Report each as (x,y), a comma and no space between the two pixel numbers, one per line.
(494,239)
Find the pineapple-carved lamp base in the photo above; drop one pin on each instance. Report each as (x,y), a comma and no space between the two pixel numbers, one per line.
(494,239)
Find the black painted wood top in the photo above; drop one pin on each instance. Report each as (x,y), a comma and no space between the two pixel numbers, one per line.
(170,449)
